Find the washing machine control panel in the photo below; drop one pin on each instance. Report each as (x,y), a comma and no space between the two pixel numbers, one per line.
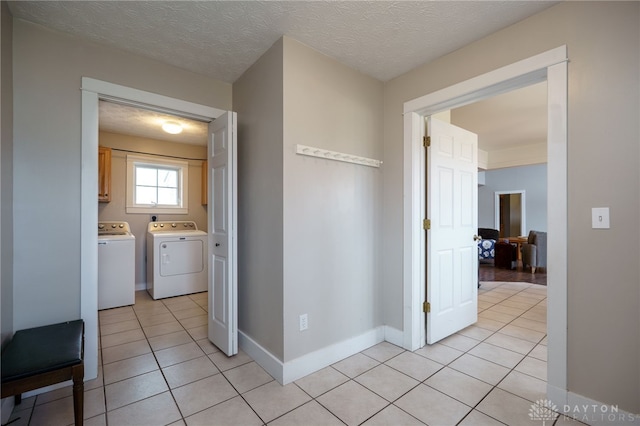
(184,225)
(113,228)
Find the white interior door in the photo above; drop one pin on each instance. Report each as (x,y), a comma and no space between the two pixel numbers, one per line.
(222,212)
(452,207)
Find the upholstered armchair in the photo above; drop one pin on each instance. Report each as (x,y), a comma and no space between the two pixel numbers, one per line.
(534,251)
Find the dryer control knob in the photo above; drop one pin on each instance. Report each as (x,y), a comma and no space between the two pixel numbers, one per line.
(173,225)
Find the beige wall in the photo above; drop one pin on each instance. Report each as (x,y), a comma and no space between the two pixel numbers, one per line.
(603,44)
(257,98)
(6,170)
(115,210)
(48,68)
(331,209)
(603,289)
(307,226)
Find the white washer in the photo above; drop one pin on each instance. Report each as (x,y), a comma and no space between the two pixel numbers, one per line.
(176,259)
(116,265)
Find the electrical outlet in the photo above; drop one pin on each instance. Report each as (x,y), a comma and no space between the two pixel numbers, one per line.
(304,322)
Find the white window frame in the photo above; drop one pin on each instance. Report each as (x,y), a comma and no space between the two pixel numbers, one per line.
(183,185)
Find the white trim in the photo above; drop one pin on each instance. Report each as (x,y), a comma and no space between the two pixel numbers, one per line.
(523,208)
(131,96)
(414,241)
(393,335)
(557,218)
(551,65)
(182,168)
(483,160)
(589,411)
(6,408)
(262,356)
(88,235)
(92,91)
(514,76)
(556,395)
(297,368)
(55,386)
(314,361)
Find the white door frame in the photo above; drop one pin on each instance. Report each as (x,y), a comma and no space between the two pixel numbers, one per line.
(523,210)
(552,67)
(92,91)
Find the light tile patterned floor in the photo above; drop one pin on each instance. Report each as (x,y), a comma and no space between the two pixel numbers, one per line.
(158,368)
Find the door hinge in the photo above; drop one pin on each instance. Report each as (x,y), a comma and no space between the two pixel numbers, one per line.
(426,141)
(426,224)
(426,307)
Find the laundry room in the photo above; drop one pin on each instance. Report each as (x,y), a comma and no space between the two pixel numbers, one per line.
(130,138)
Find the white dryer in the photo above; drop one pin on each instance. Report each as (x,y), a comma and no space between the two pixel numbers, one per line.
(116,265)
(176,259)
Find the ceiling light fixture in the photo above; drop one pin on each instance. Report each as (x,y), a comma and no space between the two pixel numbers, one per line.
(172,127)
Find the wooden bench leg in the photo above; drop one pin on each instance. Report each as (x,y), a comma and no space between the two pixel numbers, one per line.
(78,394)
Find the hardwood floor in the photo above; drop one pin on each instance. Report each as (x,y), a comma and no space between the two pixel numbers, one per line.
(488,272)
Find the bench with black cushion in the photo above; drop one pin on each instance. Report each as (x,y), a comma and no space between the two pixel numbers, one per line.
(43,356)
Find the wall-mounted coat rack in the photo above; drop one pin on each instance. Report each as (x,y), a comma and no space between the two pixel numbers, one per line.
(337,156)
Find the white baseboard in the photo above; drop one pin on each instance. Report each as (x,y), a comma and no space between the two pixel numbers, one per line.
(556,395)
(141,286)
(6,408)
(297,368)
(393,336)
(262,356)
(47,389)
(314,361)
(590,411)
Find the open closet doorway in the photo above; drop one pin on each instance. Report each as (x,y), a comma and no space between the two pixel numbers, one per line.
(92,91)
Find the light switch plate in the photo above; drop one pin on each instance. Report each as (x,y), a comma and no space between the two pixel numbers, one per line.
(600,218)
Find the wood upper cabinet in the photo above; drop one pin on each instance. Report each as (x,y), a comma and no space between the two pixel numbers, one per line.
(205,183)
(104,174)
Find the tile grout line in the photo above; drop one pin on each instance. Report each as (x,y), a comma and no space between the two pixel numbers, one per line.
(539,303)
(474,408)
(157,363)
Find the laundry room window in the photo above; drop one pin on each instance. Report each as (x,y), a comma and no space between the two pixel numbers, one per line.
(157,185)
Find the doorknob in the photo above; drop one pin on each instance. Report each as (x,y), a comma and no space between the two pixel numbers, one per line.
(476,238)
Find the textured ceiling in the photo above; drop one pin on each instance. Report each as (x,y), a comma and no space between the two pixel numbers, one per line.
(517,117)
(129,120)
(221,39)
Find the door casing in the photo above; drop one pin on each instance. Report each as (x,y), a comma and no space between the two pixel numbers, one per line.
(523,210)
(92,91)
(552,67)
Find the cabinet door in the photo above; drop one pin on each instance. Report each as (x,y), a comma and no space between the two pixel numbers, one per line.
(205,184)
(104,174)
